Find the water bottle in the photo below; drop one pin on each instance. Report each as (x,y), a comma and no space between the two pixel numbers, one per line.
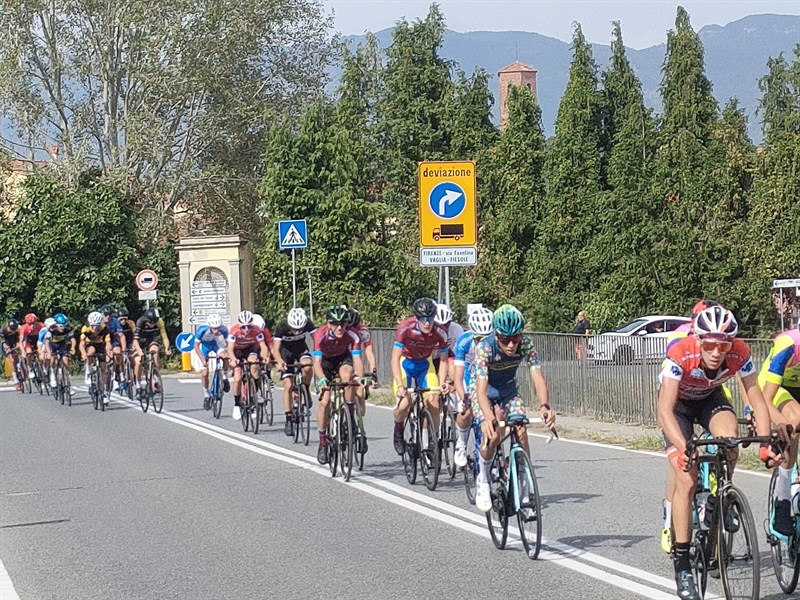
(702,510)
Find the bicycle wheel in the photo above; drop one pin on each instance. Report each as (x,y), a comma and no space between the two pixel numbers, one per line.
(333,435)
(37,377)
(344,441)
(447,438)
(410,450)
(785,552)
(305,411)
(127,370)
(144,392)
(471,479)
(529,514)
(297,416)
(216,395)
(244,404)
(497,517)
(267,414)
(156,386)
(101,390)
(358,431)
(257,416)
(739,561)
(23,375)
(697,556)
(429,455)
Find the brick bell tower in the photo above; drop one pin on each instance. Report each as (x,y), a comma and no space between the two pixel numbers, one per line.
(516,73)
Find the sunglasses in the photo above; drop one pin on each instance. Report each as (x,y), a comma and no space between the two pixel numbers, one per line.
(246,326)
(337,323)
(426,319)
(711,345)
(509,339)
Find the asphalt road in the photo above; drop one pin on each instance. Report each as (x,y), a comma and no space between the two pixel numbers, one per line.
(123,504)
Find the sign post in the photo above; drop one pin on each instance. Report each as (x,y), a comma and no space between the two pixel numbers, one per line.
(147,281)
(448,221)
(782,284)
(291,236)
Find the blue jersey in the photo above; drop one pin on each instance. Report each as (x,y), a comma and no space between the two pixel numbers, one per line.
(113,326)
(499,368)
(464,353)
(42,333)
(210,341)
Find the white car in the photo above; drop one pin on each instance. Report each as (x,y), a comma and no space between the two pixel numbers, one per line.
(644,339)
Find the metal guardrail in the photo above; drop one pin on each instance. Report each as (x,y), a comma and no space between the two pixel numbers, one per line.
(582,384)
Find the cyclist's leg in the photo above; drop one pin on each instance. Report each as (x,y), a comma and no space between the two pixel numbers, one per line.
(137,368)
(719,417)
(433,399)
(412,370)
(287,377)
(308,370)
(255,370)
(515,409)
(788,403)
(153,347)
(346,375)
(329,369)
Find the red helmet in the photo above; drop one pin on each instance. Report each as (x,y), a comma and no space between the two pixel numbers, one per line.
(702,305)
(30,319)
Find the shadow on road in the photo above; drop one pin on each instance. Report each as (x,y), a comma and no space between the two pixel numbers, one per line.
(556,499)
(585,542)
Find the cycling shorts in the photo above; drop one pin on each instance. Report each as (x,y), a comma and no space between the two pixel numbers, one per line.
(206,350)
(699,412)
(332,364)
(417,373)
(246,351)
(146,341)
(99,348)
(289,358)
(506,397)
(62,347)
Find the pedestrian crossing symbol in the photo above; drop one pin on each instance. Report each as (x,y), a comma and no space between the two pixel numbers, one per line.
(292,234)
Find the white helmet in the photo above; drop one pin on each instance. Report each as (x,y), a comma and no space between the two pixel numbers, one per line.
(95,318)
(48,323)
(297,318)
(480,321)
(258,321)
(715,321)
(443,314)
(245,318)
(214,320)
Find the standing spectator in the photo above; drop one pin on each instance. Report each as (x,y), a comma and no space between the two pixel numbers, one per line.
(582,328)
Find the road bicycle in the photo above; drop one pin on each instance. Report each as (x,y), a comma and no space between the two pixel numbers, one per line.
(447,436)
(215,387)
(785,550)
(127,372)
(729,547)
(39,378)
(301,404)
(266,397)
(251,406)
(421,440)
(63,390)
(152,394)
(21,370)
(97,381)
(514,491)
(341,430)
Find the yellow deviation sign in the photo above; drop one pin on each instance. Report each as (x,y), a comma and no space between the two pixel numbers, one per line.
(447,211)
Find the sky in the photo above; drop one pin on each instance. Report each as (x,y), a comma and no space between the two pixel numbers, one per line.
(644,22)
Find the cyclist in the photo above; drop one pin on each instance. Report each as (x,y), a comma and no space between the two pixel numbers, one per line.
(114,330)
(127,329)
(780,381)
(28,340)
(144,337)
(212,337)
(690,393)
(289,346)
(95,341)
(337,352)
(354,319)
(60,339)
(246,343)
(480,325)
(10,337)
(48,322)
(416,342)
(497,398)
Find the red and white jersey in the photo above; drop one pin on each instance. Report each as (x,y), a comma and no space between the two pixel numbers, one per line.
(30,333)
(245,337)
(683,363)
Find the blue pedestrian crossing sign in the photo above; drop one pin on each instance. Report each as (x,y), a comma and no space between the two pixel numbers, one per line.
(292,234)
(185,342)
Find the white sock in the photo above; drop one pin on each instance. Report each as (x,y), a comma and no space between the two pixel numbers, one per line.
(783,487)
(425,438)
(483,475)
(463,435)
(667,514)
(14,377)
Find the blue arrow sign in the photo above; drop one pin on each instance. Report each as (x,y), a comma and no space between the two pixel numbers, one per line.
(292,234)
(447,200)
(185,341)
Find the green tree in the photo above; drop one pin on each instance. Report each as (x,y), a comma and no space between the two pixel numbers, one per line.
(470,117)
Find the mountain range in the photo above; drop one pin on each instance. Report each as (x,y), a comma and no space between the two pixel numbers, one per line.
(735,57)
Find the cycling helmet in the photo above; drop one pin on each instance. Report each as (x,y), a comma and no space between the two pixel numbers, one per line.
(424,307)
(480,321)
(297,318)
(258,321)
(507,320)
(245,318)
(702,305)
(338,314)
(443,314)
(715,321)
(95,318)
(354,318)
(122,312)
(151,315)
(214,320)
(108,310)
(48,323)
(61,319)
(13,324)
(30,319)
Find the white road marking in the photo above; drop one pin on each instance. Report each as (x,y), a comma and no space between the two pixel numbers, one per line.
(561,554)
(7,591)
(189,380)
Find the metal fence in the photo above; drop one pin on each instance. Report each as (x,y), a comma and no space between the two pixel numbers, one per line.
(622,389)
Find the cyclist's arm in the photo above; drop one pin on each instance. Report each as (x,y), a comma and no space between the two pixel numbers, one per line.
(444,366)
(369,354)
(318,372)
(276,353)
(358,364)
(199,353)
(123,343)
(397,355)
(458,375)
(667,401)
(231,353)
(265,355)
(164,336)
(47,348)
(756,400)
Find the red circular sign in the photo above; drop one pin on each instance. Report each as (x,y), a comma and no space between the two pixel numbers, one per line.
(146,280)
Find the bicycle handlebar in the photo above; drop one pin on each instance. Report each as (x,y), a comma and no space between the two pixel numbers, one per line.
(732,442)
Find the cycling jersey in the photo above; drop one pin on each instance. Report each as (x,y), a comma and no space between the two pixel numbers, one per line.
(245,338)
(42,335)
(497,367)
(464,355)
(416,345)
(128,330)
(90,336)
(328,345)
(681,331)
(293,341)
(147,331)
(363,334)
(696,383)
(210,341)
(30,333)
(11,338)
(454,331)
(783,363)
(58,334)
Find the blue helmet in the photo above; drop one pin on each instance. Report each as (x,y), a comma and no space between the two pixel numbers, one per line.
(507,320)
(61,319)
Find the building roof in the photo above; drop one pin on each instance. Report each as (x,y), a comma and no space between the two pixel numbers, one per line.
(517,67)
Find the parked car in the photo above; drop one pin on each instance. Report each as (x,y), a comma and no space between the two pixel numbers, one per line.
(643,339)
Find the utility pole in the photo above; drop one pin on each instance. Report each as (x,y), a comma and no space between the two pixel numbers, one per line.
(309,269)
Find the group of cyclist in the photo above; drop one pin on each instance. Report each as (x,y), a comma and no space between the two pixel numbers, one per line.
(105,336)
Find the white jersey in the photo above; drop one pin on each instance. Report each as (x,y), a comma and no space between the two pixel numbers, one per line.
(454,331)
